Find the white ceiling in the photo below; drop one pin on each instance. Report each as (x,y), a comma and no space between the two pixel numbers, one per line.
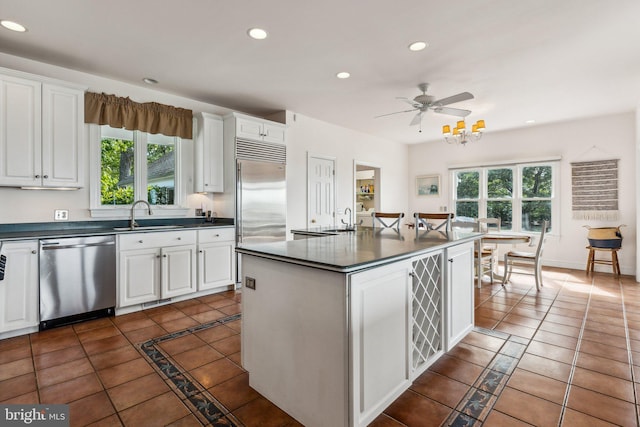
(546,60)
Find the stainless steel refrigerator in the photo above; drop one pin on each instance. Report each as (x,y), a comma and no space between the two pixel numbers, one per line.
(261,204)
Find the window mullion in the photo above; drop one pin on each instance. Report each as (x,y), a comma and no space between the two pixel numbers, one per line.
(140,158)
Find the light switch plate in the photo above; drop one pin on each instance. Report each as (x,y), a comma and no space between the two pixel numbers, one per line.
(61,215)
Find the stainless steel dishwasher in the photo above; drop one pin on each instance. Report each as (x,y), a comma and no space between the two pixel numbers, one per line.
(77,279)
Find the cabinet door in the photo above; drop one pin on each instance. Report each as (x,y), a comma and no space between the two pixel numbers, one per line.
(139,276)
(216,265)
(19,288)
(209,169)
(459,296)
(273,132)
(178,270)
(379,338)
(248,128)
(20,132)
(62,130)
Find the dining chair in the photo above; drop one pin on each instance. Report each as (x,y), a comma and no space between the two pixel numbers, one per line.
(386,219)
(464,225)
(489,224)
(425,219)
(487,259)
(527,259)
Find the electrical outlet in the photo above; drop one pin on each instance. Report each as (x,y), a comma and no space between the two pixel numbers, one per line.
(250,283)
(61,215)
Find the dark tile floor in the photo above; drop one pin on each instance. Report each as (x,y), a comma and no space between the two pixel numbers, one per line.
(564,356)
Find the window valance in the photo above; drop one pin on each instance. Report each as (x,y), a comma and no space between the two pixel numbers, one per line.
(150,117)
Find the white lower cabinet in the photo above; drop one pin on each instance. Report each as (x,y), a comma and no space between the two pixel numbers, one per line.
(379,337)
(154,266)
(216,258)
(19,287)
(459,293)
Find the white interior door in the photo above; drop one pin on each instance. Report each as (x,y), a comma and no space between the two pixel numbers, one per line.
(321,190)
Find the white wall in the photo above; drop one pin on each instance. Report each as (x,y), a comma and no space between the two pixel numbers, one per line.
(307,135)
(612,136)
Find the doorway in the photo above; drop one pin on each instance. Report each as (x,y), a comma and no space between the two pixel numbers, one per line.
(367,192)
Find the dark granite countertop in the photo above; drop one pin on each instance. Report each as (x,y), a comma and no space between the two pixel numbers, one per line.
(352,251)
(48,230)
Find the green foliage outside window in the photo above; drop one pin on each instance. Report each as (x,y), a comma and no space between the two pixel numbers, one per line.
(117,173)
(536,195)
(117,163)
(535,203)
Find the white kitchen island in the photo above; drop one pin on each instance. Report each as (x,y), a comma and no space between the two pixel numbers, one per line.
(335,328)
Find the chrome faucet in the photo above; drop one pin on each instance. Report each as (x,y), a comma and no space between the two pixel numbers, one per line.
(351,225)
(134,224)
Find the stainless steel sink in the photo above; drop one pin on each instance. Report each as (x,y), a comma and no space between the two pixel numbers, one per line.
(147,228)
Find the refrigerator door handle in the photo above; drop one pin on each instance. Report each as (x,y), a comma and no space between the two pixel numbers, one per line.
(238,202)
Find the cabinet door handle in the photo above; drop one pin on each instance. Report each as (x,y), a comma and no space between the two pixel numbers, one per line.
(34,252)
(179,238)
(45,176)
(38,176)
(157,256)
(450,260)
(164,256)
(217,235)
(140,241)
(201,251)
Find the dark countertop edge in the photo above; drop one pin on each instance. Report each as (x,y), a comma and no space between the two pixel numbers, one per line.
(359,266)
(30,231)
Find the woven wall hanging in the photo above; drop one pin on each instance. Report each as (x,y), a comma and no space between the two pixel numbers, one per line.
(594,190)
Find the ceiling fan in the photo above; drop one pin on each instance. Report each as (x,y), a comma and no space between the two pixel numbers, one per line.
(424,102)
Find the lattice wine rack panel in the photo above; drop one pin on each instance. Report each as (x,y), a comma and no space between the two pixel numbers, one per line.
(427,308)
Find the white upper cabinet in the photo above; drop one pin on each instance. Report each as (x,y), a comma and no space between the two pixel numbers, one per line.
(62,131)
(256,129)
(208,158)
(41,128)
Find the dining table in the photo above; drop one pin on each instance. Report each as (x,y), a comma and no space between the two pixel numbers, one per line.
(499,238)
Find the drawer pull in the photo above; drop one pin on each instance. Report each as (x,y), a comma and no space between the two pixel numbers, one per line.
(140,241)
(179,238)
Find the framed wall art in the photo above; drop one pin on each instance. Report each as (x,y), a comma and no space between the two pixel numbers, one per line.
(428,185)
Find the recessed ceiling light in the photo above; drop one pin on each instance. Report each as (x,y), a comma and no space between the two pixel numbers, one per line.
(417,46)
(150,81)
(530,122)
(13,26)
(257,33)
(343,75)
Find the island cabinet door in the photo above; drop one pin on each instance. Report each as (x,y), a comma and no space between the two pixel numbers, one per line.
(427,311)
(379,339)
(459,293)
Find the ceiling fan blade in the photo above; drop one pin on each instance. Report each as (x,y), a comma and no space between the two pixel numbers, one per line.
(416,119)
(397,112)
(411,102)
(452,99)
(452,111)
